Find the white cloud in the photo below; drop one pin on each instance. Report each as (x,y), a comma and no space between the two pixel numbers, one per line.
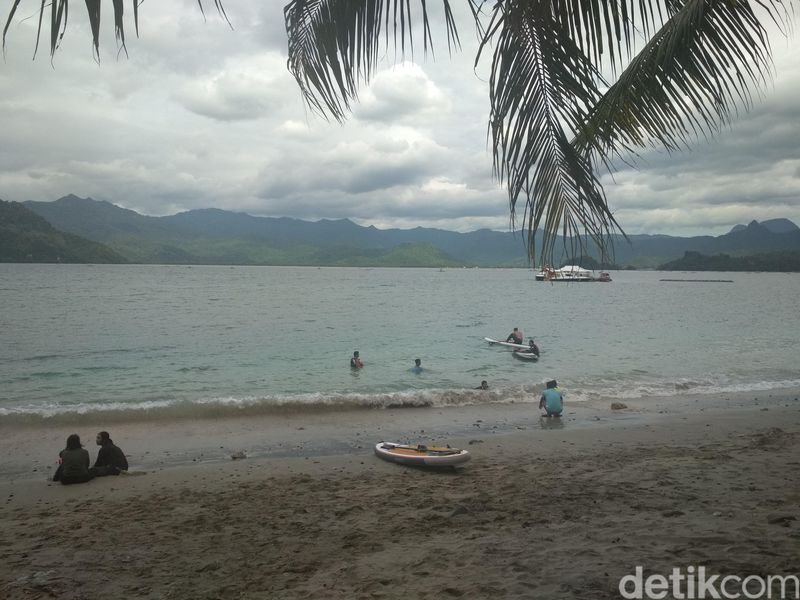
(201,115)
(242,89)
(401,94)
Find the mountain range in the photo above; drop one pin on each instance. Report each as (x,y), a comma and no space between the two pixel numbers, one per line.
(214,236)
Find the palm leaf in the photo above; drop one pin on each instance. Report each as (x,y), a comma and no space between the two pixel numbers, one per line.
(687,81)
(58,21)
(335,45)
(541,88)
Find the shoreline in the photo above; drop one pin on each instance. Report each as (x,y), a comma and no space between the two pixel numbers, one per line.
(537,513)
(30,450)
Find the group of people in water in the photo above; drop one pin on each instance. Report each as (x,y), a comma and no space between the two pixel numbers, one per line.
(552,400)
(355,363)
(74,460)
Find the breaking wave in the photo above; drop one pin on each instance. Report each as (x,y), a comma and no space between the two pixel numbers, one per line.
(221,407)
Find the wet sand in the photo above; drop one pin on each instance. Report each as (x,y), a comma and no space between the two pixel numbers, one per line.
(542,510)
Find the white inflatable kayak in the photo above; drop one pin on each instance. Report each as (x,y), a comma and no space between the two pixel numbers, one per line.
(526,355)
(421,455)
(507,344)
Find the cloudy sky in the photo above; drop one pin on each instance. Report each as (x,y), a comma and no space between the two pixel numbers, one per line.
(201,116)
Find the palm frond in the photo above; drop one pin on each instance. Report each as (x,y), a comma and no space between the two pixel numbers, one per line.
(58,22)
(335,45)
(59,10)
(541,87)
(688,80)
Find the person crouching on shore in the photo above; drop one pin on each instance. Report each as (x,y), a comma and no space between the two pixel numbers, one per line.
(552,401)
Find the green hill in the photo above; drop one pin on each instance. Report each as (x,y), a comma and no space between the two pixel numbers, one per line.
(27,237)
(782,262)
(404,255)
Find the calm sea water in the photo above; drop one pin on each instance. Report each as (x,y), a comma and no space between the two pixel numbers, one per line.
(176,340)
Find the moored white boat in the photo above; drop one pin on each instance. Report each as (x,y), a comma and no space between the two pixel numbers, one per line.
(574,273)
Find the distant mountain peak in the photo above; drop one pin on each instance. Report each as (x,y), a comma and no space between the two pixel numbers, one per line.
(780,225)
(70,198)
(771,225)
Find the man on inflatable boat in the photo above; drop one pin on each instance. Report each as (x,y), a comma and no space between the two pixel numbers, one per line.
(515,337)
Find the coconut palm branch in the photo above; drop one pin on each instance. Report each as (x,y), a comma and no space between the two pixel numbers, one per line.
(336,46)
(59,10)
(550,124)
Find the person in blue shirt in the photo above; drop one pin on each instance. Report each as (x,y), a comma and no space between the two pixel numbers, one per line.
(417,368)
(552,401)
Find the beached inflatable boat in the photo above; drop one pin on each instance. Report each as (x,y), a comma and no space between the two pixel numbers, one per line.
(421,455)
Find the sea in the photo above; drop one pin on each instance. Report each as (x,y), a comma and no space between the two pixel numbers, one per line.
(156,341)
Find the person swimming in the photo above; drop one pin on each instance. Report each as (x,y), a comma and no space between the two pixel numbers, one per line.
(355,362)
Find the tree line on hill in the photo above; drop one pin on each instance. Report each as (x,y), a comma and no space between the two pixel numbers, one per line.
(783,261)
(74,229)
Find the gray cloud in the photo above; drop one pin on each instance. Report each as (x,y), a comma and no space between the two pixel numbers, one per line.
(201,115)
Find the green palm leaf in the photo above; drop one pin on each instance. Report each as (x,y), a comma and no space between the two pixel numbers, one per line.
(58,21)
(687,81)
(541,88)
(335,45)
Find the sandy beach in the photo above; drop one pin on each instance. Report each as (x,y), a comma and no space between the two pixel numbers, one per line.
(541,511)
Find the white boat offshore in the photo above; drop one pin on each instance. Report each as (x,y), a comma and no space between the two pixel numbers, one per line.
(572,273)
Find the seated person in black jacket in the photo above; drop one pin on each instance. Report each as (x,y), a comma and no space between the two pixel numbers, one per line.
(110,459)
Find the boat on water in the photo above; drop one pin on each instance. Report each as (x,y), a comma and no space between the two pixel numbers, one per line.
(525,355)
(574,273)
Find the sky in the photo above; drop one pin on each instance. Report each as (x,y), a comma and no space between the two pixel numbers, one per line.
(203,115)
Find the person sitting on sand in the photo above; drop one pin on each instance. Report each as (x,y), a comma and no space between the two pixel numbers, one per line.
(355,362)
(74,463)
(532,348)
(417,368)
(483,386)
(552,401)
(110,459)
(515,337)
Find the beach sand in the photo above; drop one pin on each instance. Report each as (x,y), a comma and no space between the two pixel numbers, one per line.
(541,511)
